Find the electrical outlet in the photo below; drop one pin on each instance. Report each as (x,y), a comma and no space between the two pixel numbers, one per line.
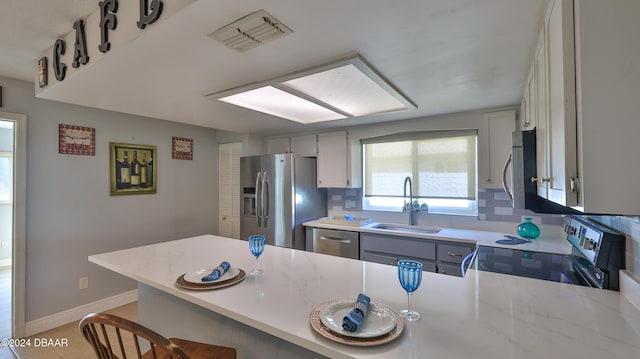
(4,244)
(83,283)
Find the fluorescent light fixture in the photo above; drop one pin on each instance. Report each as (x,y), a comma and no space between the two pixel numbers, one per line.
(348,89)
(343,89)
(279,103)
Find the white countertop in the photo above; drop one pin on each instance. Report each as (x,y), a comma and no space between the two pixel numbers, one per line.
(484,315)
(482,238)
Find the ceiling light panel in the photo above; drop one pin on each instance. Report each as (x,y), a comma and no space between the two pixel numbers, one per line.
(250,31)
(342,89)
(349,89)
(282,104)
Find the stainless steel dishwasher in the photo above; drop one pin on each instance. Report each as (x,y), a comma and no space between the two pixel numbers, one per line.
(336,242)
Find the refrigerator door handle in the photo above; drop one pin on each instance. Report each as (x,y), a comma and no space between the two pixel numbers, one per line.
(258,201)
(265,208)
(504,177)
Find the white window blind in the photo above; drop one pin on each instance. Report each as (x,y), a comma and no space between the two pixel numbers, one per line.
(441,164)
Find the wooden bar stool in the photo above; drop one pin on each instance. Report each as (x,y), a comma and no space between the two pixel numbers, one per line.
(108,336)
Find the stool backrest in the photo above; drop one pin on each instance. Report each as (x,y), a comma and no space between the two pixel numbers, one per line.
(113,337)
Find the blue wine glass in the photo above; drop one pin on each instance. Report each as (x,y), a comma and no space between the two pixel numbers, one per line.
(410,276)
(256,245)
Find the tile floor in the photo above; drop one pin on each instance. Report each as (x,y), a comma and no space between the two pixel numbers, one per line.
(77,347)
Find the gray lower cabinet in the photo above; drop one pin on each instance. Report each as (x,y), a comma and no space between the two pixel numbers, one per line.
(436,256)
(389,249)
(450,256)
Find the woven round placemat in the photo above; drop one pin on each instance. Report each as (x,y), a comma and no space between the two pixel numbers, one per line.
(182,283)
(316,324)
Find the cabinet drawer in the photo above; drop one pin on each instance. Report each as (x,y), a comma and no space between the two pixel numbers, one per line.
(453,253)
(393,260)
(450,269)
(399,247)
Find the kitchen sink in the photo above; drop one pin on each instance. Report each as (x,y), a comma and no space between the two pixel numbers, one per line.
(403,228)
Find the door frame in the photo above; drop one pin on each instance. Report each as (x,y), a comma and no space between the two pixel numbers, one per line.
(19,221)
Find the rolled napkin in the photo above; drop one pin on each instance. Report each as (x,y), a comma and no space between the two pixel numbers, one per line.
(218,272)
(353,319)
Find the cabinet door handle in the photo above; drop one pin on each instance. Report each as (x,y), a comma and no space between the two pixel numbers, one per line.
(454,254)
(573,184)
(543,180)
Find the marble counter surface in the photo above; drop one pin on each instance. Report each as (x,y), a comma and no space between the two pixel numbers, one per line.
(543,243)
(484,315)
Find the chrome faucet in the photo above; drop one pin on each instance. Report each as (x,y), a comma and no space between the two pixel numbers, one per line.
(412,211)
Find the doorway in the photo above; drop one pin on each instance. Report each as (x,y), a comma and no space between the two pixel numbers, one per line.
(12,223)
(229,189)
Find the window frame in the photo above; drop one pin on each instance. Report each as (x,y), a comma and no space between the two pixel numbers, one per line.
(460,207)
(9,156)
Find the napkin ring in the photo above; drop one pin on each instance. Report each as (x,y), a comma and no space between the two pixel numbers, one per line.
(361,307)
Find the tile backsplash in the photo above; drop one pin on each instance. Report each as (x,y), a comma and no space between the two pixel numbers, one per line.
(630,227)
(347,200)
(493,205)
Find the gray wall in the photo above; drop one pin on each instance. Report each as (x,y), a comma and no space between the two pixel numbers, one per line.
(70,214)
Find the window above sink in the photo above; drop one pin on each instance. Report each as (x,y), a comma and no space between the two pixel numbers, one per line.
(442,165)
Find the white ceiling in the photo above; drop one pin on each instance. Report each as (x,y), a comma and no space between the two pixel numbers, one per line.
(445,55)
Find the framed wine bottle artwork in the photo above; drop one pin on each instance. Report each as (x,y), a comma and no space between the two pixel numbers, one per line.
(133,169)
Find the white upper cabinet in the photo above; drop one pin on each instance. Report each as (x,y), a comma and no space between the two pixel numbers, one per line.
(608,111)
(301,145)
(499,125)
(560,137)
(542,114)
(587,105)
(277,145)
(339,164)
(305,145)
(530,96)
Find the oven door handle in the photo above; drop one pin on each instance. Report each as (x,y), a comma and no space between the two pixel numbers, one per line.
(463,265)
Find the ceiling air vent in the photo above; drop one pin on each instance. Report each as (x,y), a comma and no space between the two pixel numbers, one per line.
(250,31)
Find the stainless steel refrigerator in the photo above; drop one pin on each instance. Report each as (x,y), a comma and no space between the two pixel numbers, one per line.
(278,194)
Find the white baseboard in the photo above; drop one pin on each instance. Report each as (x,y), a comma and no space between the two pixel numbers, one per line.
(5,262)
(71,315)
(630,288)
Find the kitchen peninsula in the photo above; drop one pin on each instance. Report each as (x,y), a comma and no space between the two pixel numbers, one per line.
(483,315)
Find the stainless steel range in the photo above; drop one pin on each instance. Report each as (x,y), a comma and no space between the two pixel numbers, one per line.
(595,261)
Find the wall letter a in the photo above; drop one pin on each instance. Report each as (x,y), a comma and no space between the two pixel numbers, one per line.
(80,48)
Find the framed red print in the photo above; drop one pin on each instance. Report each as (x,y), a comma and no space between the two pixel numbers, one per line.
(76,140)
(182,148)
